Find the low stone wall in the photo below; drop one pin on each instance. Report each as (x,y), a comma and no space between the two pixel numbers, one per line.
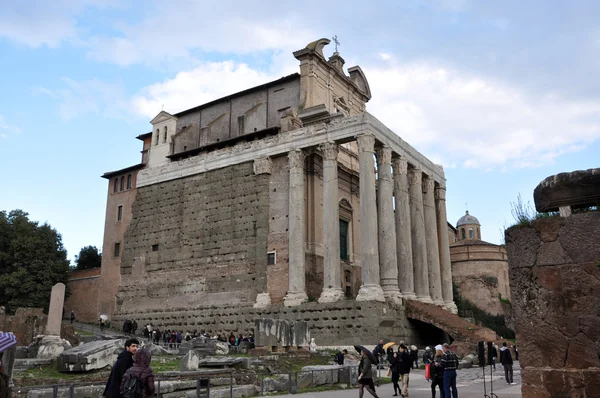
(554,269)
(343,323)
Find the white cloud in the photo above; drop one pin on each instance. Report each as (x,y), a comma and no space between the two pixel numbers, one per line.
(385,56)
(479,122)
(6,129)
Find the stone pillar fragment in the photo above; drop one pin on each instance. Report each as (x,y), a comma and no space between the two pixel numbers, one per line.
(403,238)
(445,264)
(431,239)
(332,283)
(370,289)
(296,294)
(417,229)
(57,301)
(387,229)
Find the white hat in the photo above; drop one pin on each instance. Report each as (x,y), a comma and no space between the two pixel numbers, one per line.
(427,349)
(438,347)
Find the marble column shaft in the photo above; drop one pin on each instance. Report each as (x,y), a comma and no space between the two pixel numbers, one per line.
(445,262)
(369,251)
(332,283)
(387,229)
(296,294)
(419,246)
(431,239)
(403,238)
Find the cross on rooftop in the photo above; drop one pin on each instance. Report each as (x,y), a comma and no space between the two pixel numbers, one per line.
(336,41)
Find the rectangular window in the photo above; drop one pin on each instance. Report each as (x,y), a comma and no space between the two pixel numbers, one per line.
(271,258)
(155,248)
(344,240)
(120,213)
(241,120)
(117,249)
(116,185)
(129,181)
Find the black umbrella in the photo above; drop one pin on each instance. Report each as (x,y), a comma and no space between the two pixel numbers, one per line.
(370,355)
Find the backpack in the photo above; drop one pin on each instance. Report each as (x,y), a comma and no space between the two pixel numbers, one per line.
(133,388)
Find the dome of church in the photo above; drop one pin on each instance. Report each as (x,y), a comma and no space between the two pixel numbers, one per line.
(467,219)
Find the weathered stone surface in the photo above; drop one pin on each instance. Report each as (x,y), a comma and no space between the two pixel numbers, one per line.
(51,347)
(220,362)
(57,300)
(189,362)
(576,189)
(30,363)
(79,392)
(90,356)
(319,375)
(556,304)
(221,348)
(276,332)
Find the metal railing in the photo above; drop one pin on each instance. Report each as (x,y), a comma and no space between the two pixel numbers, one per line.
(292,382)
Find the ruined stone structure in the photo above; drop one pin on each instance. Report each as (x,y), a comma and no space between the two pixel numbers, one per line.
(555,278)
(269,197)
(479,268)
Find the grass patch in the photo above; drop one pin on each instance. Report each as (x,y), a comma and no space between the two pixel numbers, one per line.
(49,375)
(84,333)
(164,364)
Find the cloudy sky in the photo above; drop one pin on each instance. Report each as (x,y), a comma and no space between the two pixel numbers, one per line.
(502,93)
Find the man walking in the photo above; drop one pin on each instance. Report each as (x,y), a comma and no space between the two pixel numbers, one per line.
(449,363)
(507,362)
(124,362)
(72,316)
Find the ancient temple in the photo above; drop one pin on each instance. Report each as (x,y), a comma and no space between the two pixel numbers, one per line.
(286,200)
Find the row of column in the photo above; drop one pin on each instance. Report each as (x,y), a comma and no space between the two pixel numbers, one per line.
(404,253)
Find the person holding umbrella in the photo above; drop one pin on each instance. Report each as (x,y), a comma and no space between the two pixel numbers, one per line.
(8,344)
(365,371)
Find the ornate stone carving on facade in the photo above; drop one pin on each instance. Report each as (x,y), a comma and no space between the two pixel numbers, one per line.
(296,158)
(366,143)
(330,150)
(415,176)
(262,165)
(428,184)
(400,166)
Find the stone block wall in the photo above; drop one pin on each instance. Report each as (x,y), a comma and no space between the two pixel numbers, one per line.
(343,323)
(85,286)
(554,269)
(25,324)
(196,241)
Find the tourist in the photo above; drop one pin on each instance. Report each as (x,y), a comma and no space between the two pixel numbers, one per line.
(231,339)
(134,327)
(157,335)
(404,367)
(427,356)
(390,355)
(494,355)
(414,356)
(124,362)
(365,376)
(507,363)
(142,372)
(395,366)
(379,352)
(72,316)
(449,363)
(188,336)
(179,337)
(437,374)
(340,357)
(4,390)
(102,324)
(516,353)
(313,345)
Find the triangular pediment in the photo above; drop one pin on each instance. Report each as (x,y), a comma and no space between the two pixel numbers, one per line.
(161,117)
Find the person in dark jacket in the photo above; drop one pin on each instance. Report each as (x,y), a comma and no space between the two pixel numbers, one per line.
(427,356)
(141,371)
(395,367)
(414,356)
(494,355)
(404,367)
(365,377)
(507,363)
(124,362)
(437,374)
(4,379)
(390,355)
(340,357)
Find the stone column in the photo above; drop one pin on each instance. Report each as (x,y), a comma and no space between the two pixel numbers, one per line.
(296,294)
(369,253)
(262,167)
(332,283)
(403,240)
(431,239)
(57,301)
(417,229)
(445,264)
(387,229)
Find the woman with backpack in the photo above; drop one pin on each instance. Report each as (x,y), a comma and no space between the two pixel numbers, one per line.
(138,381)
(437,374)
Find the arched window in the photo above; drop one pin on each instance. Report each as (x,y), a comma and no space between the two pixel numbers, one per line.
(122,183)
(463,234)
(471,234)
(165,136)
(129,181)
(157,137)
(116,188)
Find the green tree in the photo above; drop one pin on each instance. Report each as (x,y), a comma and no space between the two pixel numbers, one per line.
(32,260)
(88,257)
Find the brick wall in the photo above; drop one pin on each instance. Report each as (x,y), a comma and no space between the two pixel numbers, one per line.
(554,269)
(85,285)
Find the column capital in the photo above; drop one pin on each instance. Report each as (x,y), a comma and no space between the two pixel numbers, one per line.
(330,150)
(440,192)
(262,165)
(400,165)
(366,142)
(415,176)
(296,158)
(428,184)
(384,155)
